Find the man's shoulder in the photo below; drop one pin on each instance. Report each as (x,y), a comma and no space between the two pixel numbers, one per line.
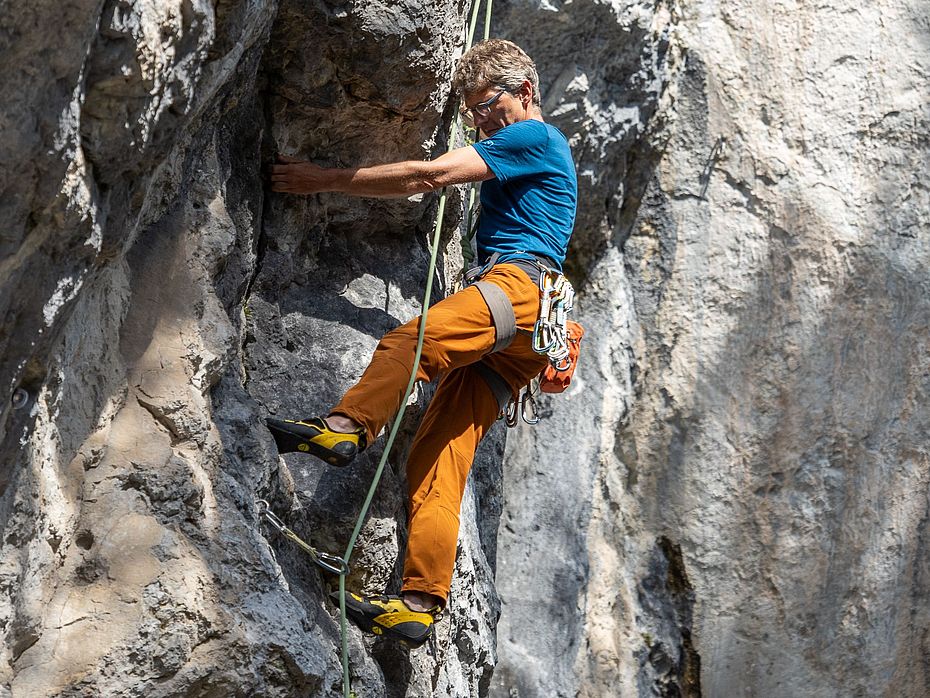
(524,148)
(527,134)
(528,128)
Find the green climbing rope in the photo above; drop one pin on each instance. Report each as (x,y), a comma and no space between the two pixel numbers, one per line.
(434,251)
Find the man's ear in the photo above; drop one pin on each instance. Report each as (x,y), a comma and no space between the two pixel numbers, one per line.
(526,93)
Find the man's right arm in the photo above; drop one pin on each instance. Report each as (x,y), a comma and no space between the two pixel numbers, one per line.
(405,178)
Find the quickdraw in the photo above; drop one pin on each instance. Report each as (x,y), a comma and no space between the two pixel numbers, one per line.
(550,336)
(325,561)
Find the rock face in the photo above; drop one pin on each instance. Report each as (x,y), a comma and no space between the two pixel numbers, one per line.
(732,500)
(778,433)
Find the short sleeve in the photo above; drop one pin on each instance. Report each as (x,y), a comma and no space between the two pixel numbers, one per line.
(516,150)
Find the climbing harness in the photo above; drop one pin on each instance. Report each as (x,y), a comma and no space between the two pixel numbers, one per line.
(325,561)
(553,334)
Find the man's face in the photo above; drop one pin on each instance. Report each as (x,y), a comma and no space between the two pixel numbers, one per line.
(505,110)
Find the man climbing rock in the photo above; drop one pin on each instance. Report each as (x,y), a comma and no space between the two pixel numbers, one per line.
(477,341)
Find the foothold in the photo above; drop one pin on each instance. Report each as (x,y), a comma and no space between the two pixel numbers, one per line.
(20,398)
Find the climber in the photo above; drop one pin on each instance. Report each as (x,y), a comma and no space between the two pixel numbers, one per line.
(528,201)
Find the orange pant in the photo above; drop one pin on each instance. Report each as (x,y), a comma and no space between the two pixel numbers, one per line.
(459,332)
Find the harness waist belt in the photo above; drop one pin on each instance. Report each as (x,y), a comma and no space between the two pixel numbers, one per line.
(532,267)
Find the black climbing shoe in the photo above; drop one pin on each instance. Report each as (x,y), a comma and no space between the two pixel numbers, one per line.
(314,436)
(388,616)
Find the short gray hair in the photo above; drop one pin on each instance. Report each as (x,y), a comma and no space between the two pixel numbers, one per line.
(495,62)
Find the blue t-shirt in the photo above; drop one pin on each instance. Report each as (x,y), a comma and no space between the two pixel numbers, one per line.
(529,208)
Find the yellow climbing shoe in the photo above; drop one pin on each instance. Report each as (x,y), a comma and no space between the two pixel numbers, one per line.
(388,616)
(315,437)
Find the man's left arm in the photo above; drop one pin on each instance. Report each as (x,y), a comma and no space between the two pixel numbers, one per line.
(392,180)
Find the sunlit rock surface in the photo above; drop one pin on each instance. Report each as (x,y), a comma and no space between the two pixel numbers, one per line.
(731,500)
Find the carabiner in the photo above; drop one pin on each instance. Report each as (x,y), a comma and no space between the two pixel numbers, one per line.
(558,348)
(332,563)
(530,416)
(510,415)
(542,337)
(264,509)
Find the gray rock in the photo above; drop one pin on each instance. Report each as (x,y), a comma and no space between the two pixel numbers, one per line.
(731,498)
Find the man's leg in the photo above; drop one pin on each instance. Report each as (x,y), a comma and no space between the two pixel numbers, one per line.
(459,415)
(459,330)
